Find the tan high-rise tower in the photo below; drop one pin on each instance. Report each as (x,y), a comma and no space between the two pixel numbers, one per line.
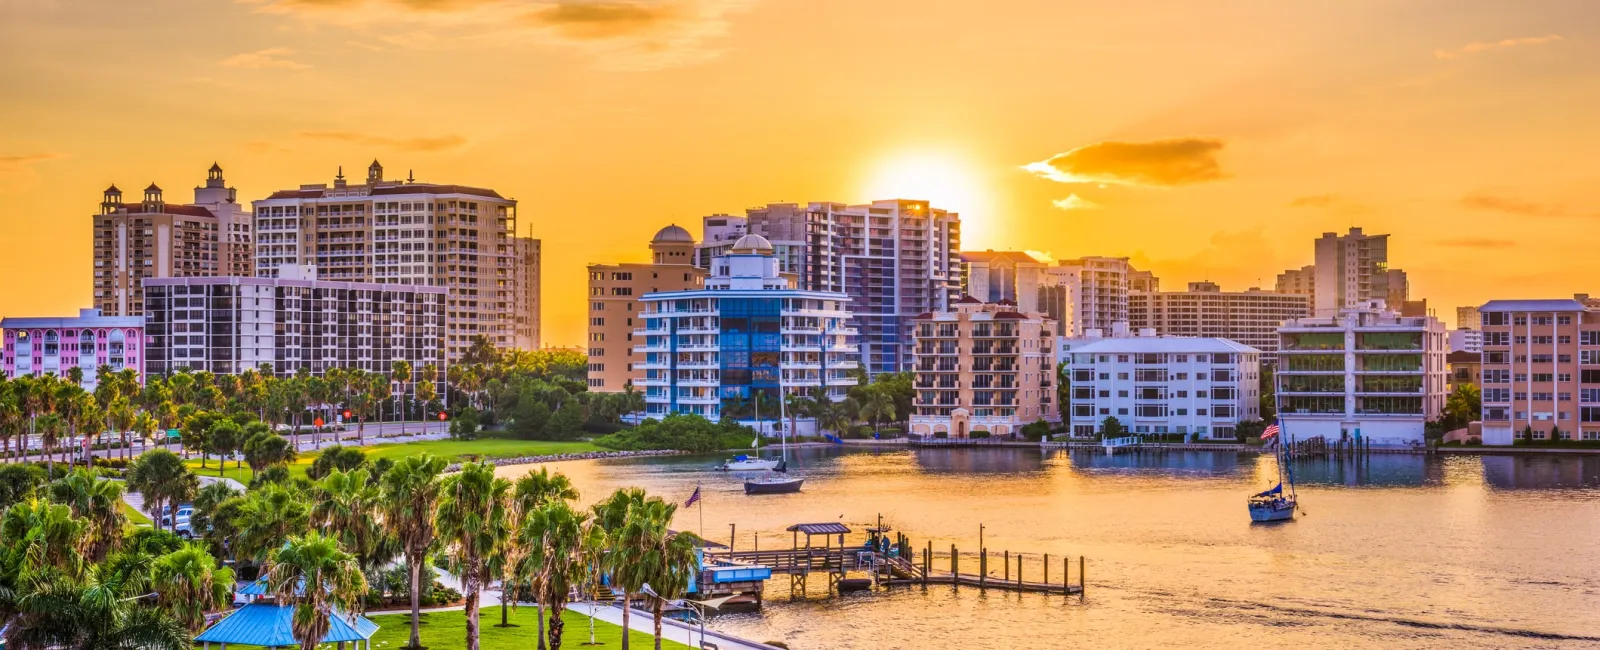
(614,307)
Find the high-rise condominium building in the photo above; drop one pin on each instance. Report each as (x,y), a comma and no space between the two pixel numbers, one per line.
(1202,387)
(712,351)
(404,232)
(156,239)
(1351,270)
(993,276)
(1088,294)
(226,325)
(1399,291)
(1541,370)
(528,303)
(717,234)
(615,293)
(54,346)
(1251,317)
(1302,281)
(1467,318)
(983,369)
(1364,373)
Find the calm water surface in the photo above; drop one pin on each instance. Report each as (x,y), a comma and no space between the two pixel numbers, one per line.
(1393,552)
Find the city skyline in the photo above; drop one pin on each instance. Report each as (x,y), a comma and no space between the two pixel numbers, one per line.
(1071,130)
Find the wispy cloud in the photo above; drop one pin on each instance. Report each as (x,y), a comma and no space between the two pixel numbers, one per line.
(436,143)
(1517,206)
(1159,163)
(1486,46)
(1335,202)
(1043,256)
(1476,242)
(1075,202)
(15,162)
(272,57)
(627,34)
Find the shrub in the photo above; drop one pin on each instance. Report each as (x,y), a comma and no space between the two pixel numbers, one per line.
(1037,430)
(465,424)
(680,431)
(979,435)
(337,457)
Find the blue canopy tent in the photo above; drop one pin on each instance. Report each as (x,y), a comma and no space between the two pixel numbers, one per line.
(272,626)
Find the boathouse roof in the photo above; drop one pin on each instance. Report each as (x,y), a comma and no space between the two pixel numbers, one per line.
(829,528)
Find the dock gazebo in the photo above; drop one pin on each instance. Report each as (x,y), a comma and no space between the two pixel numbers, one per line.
(824,558)
(271,625)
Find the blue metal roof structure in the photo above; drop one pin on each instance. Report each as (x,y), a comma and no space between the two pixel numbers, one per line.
(271,625)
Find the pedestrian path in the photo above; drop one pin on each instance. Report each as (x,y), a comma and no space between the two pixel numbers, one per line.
(684,633)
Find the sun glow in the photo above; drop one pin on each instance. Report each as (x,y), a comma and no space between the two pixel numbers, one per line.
(942,180)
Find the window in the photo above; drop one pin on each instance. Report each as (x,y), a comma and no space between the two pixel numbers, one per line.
(1563,320)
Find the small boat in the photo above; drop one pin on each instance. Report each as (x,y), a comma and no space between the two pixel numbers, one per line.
(1272,505)
(847,585)
(773,485)
(743,463)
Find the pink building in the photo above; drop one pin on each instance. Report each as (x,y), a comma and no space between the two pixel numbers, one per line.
(53,346)
(1541,369)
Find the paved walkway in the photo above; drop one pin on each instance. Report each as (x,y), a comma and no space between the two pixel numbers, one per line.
(683,633)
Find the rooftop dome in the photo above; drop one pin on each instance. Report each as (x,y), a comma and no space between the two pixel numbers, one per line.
(672,233)
(752,244)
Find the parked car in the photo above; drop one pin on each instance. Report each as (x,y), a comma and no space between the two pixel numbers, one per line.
(182,527)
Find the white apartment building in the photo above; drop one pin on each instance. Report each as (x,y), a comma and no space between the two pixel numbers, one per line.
(1251,317)
(712,351)
(1462,340)
(404,233)
(1365,373)
(1090,293)
(1200,387)
(226,325)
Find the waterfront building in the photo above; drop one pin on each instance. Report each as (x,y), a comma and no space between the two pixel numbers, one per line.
(1467,318)
(615,293)
(1089,293)
(1541,369)
(157,239)
(1351,270)
(1302,281)
(293,321)
(992,276)
(54,346)
(1365,372)
(1251,317)
(717,234)
(1466,368)
(1399,290)
(1201,387)
(711,351)
(1463,340)
(408,233)
(983,367)
(526,320)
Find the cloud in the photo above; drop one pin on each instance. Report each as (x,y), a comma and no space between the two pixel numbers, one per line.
(1477,242)
(1075,202)
(1512,205)
(1315,201)
(17,162)
(272,57)
(1485,46)
(1044,257)
(1159,163)
(438,143)
(623,34)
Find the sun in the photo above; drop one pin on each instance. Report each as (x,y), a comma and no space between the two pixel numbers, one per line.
(941,179)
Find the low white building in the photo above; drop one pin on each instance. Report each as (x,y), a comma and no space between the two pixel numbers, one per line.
(1465,340)
(1365,373)
(1200,387)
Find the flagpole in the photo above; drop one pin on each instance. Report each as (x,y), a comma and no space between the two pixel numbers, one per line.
(702,501)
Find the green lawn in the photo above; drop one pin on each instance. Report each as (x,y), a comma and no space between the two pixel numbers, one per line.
(449,630)
(135,518)
(491,444)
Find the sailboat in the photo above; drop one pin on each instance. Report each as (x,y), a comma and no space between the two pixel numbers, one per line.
(1276,504)
(774,483)
(753,463)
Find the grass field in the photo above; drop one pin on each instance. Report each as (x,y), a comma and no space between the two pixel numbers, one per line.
(449,630)
(135,518)
(490,444)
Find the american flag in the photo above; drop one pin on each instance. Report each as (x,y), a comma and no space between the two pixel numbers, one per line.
(693,498)
(1270,432)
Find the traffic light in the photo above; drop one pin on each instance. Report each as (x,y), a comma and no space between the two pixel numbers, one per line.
(441,416)
(347,414)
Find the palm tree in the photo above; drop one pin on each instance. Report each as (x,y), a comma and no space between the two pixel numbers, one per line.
(269,515)
(98,502)
(163,479)
(410,495)
(11,416)
(95,612)
(347,506)
(632,400)
(377,388)
(316,392)
(797,404)
(85,417)
(263,448)
(120,418)
(560,534)
(400,372)
(146,426)
(319,578)
(877,405)
(427,387)
(615,517)
(663,560)
(49,428)
(39,537)
(191,584)
(531,492)
(471,520)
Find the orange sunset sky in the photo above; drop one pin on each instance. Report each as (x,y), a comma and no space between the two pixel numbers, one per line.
(1206,140)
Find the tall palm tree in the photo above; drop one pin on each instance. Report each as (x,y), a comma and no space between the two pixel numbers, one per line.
(614,516)
(427,387)
(49,428)
(98,502)
(163,479)
(39,537)
(120,418)
(294,399)
(560,534)
(877,405)
(269,515)
(145,425)
(320,578)
(531,492)
(85,417)
(94,612)
(347,506)
(264,449)
(182,385)
(191,584)
(471,520)
(410,496)
(664,560)
(11,415)
(400,372)
(632,399)
(377,389)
